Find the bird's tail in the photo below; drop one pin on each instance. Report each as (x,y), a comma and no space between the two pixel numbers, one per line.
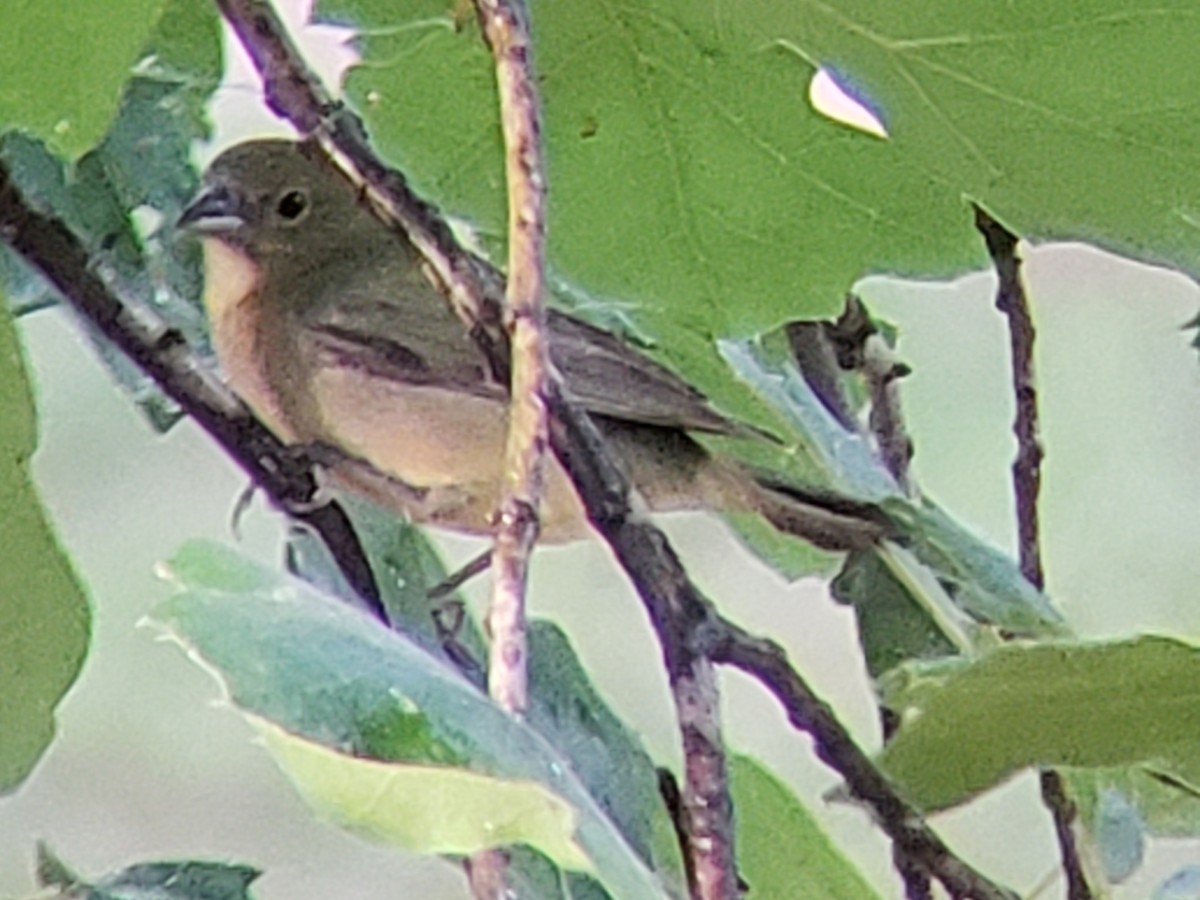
(827,520)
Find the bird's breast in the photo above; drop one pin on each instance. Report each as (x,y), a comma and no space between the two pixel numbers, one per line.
(231,299)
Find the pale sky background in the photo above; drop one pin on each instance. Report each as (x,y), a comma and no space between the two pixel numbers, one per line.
(147,766)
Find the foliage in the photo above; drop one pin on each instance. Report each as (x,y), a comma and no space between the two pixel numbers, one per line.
(691,179)
(342,692)
(1081,705)
(186,880)
(44,614)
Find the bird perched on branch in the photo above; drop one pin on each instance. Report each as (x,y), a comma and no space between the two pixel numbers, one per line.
(327,325)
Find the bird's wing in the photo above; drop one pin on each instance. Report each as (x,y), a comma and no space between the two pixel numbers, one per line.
(609,377)
(382,316)
(419,342)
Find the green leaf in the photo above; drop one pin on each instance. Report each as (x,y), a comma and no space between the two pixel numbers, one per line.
(688,169)
(781,847)
(893,626)
(982,581)
(607,756)
(63,64)
(689,176)
(846,460)
(680,146)
(1119,835)
(564,706)
(185,47)
(790,557)
(45,622)
(354,708)
(1182,885)
(532,875)
(142,163)
(184,880)
(429,809)
(1085,91)
(1081,705)
(971,577)
(406,567)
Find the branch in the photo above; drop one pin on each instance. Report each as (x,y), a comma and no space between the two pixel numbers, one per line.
(767,662)
(506,33)
(284,474)
(1027,479)
(857,336)
(686,624)
(917,883)
(1027,467)
(681,617)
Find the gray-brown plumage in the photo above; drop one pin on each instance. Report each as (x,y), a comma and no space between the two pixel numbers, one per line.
(327,326)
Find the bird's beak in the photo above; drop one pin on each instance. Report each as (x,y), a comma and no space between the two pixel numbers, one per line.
(215,210)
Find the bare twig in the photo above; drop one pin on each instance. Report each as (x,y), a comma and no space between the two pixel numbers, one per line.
(487,873)
(684,621)
(506,32)
(1064,812)
(285,474)
(477,565)
(917,883)
(1027,467)
(882,372)
(672,798)
(855,343)
(767,662)
(1027,476)
(860,347)
(815,355)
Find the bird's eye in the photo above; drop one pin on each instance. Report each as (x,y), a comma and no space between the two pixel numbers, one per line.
(292,205)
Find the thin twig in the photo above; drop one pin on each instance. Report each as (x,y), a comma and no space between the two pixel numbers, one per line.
(859,346)
(917,883)
(684,621)
(487,874)
(285,474)
(506,32)
(1027,467)
(855,344)
(477,565)
(882,371)
(672,797)
(767,662)
(1027,477)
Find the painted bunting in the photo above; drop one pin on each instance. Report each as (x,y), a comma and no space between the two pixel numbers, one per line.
(326,324)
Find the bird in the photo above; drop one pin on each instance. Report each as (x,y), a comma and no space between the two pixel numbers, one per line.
(325,323)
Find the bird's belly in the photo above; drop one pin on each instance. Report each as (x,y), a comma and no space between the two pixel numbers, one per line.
(423,435)
(433,438)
